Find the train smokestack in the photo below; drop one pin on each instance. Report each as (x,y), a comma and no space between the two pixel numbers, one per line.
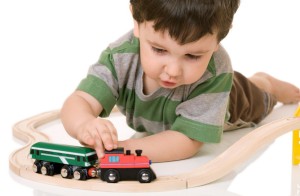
(138,152)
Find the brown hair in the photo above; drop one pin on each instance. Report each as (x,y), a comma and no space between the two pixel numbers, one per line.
(187,20)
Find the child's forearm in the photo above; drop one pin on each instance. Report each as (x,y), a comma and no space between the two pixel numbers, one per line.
(79,116)
(75,111)
(165,146)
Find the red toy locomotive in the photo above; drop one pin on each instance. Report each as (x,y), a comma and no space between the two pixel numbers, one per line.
(116,166)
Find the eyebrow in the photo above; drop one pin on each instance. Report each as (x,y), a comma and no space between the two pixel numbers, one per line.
(155,44)
(200,52)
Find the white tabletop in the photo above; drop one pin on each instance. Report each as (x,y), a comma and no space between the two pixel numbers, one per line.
(268,172)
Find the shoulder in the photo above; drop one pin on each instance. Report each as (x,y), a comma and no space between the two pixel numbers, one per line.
(218,76)
(222,61)
(218,66)
(125,44)
(122,55)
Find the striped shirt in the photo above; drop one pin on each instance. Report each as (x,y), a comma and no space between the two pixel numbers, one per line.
(198,110)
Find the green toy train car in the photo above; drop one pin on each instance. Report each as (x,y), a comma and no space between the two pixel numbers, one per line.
(70,161)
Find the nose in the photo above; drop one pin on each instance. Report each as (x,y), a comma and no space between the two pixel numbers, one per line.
(173,69)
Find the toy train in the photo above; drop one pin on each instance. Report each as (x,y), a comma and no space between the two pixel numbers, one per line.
(82,163)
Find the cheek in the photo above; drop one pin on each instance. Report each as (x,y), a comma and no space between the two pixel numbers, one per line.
(198,70)
(145,53)
(150,62)
(192,76)
(194,73)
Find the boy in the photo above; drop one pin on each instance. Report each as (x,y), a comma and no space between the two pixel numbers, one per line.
(172,79)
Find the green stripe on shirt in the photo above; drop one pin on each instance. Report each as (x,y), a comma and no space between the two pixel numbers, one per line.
(100,91)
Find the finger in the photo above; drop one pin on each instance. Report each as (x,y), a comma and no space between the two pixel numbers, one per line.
(114,134)
(106,138)
(86,139)
(99,149)
(98,145)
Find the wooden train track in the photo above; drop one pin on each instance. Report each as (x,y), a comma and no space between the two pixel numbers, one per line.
(238,153)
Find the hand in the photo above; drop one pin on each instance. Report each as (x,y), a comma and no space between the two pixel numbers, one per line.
(99,134)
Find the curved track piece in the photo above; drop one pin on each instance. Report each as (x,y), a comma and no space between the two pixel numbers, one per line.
(240,151)
(26,131)
(235,155)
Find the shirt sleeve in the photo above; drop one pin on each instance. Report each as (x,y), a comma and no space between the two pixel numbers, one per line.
(101,82)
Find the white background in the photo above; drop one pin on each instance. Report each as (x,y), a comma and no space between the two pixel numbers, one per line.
(47,46)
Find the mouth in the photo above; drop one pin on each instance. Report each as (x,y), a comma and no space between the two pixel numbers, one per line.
(168,84)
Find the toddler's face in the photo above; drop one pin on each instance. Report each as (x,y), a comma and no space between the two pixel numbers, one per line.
(166,63)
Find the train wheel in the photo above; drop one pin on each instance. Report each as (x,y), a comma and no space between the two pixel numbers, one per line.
(47,169)
(112,176)
(36,167)
(145,176)
(80,174)
(66,171)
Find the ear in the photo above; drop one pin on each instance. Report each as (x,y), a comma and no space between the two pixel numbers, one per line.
(136,30)
(135,25)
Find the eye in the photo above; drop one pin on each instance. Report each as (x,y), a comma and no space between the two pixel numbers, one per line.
(192,57)
(158,50)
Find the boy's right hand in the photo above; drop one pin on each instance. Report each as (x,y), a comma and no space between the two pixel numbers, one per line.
(99,134)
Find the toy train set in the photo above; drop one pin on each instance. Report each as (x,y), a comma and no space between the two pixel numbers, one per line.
(82,163)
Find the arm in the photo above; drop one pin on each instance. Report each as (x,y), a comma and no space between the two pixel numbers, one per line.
(164,146)
(79,116)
